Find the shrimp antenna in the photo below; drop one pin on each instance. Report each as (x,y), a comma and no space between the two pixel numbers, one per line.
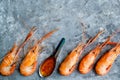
(94,38)
(30,34)
(83,32)
(46,36)
(109,37)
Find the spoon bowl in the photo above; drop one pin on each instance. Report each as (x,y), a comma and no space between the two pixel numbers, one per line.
(48,65)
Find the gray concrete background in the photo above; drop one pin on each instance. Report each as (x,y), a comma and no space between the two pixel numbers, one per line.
(18,16)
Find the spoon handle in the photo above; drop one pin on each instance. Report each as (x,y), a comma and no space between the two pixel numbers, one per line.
(59,47)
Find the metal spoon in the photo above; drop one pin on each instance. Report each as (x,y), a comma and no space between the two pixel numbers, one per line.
(48,66)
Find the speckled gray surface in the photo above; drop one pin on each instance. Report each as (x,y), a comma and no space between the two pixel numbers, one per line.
(18,16)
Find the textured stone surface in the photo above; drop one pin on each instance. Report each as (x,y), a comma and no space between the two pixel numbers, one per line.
(18,16)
